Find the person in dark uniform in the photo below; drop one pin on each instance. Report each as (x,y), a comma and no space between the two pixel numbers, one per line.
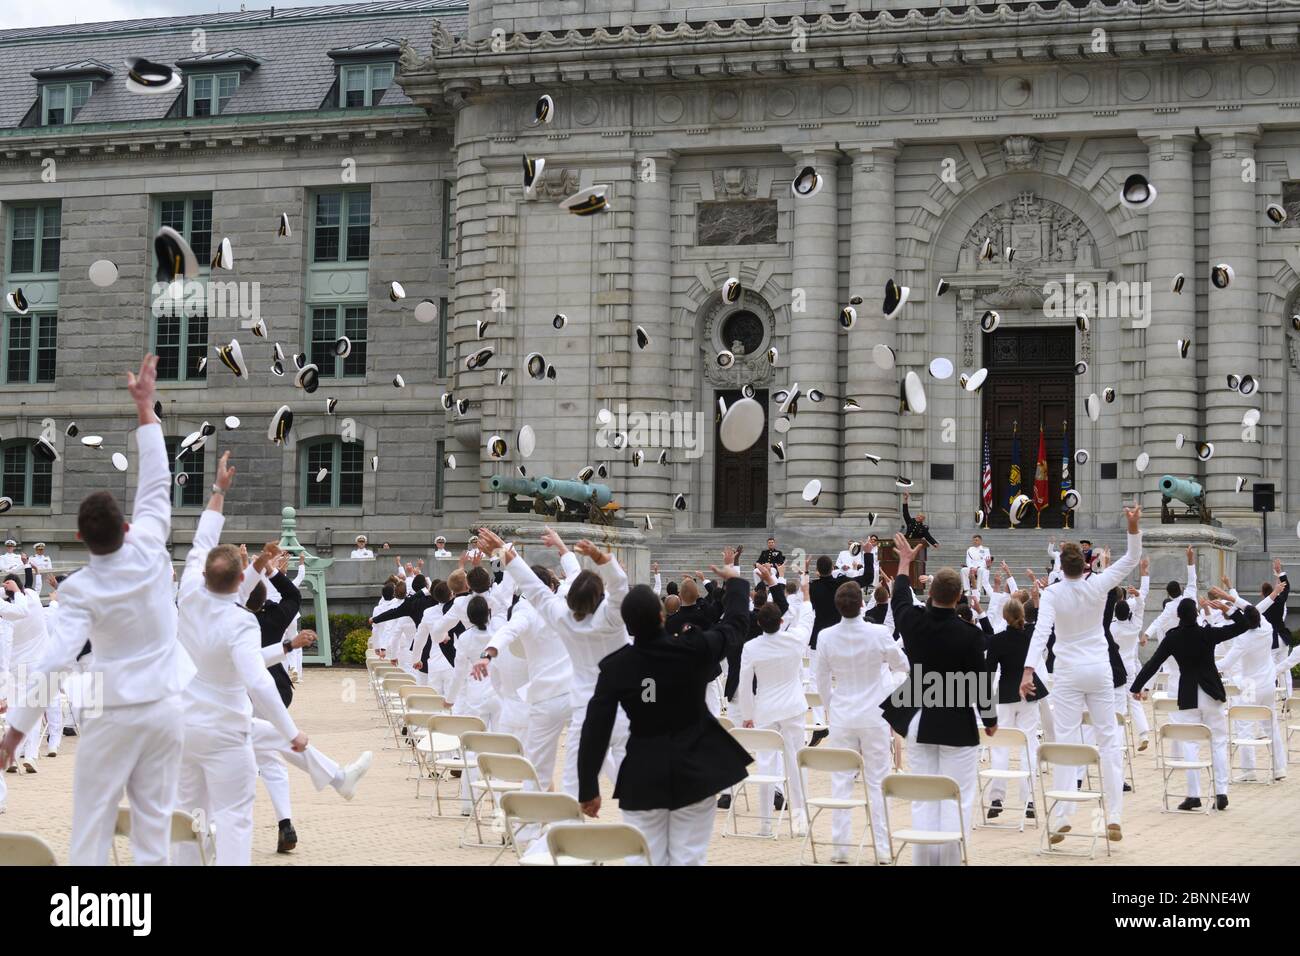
(948,653)
(770,555)
(914,526)
(678,756)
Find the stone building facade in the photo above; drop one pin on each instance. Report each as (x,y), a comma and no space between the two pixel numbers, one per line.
(933,130)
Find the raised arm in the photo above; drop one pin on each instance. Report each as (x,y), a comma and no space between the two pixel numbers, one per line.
(151,514)
(246,654)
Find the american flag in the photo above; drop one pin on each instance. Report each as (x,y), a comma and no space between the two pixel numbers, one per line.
(986,480)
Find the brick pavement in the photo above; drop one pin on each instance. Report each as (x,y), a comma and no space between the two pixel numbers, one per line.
(386,824)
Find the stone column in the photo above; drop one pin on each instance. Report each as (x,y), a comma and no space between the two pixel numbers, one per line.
(873,428)
(649,377)
(1169,399)
(812,446)
(1233,346)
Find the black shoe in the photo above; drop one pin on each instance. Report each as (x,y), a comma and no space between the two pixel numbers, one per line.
(1029,811)
(69,731)
(13,769)
(1078,785)
(1128,788)
(288,837)
(1191,803)
(1221,801)
(818,736)
(995,809)
(778,801)
(724,801)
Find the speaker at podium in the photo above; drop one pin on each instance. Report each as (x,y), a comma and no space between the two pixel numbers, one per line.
(887,559)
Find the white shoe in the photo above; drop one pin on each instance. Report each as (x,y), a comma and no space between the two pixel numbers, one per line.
(1248,776)
(839,856)
(765,830)
(352,773)
(800,827)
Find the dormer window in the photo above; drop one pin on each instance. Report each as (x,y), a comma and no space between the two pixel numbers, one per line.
(364,85)
(212,79)
(210,92)
(65,89)
(366,70)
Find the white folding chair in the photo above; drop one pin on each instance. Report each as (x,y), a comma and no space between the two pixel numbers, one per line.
(586,844)
(811,724)
(189,829)
(524,808)
(759,742)
(472,744)
(444,752)
(1291,714)
(499,774)
(1014,741)
(1238,742)
(1162,711)
(1070,755)
(921,788)
(726,722)
(1172,762)
(25,849)
(833,760)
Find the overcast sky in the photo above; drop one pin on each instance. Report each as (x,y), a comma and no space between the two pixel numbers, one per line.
(15,13)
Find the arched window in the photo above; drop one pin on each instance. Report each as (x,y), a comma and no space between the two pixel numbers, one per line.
(343,464)
(28,477)
(190,494)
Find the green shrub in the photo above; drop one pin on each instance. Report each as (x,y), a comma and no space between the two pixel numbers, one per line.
(341,625)
(354,647)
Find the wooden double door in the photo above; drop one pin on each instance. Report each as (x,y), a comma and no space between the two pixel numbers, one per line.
(1031,384)
(739,478)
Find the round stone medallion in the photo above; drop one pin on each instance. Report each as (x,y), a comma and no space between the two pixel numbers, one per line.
(1075,88)
(1134,85)
(1260,79)
(1197,82)
(838,100)
(955,94)
(1015,91)
(586,110)
(725,105)
(781,102)
(669,108)
(897,97)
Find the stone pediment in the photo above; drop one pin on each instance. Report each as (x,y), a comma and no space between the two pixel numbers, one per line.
(1042,233)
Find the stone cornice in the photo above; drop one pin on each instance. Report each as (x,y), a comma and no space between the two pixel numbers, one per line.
(855,42)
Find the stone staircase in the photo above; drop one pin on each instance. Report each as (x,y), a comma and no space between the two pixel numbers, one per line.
(696,550)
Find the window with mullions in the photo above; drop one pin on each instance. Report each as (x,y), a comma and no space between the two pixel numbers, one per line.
(190,464)
(210,92)
(30,345)
(444,327)
(60,102)
(328,323)
(180,338)
(28,479)
(445,246)
(342,485)
(364,85)
(341,227)
(439,474)
(34,239)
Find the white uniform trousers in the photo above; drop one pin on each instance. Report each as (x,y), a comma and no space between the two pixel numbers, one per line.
(791,730)
(293,661)
(136,748)
(1279,655)
(54,720)
(819,712)
(960,763)
(546,721)
(677,837)
(713,698)
(1091,686)
(1022,716)
(272,752)
(613,758)
(1259,691)
(488,709)
(874,743)
(219,780)
(513,717)
(1211,713)
(1125,704)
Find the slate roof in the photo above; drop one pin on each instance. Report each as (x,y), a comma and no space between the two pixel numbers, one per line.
(293,46)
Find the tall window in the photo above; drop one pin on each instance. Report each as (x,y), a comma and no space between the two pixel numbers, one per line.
(180,328)
(190,464)
(60,102)
(30,346)
(342,485)
(328,323)
(364,85)
(439,474)
(445,250)
(28,478)
(209,93)
(444,324)
(34,239)
(342,227)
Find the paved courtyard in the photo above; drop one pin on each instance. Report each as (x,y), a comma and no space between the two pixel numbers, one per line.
(385,824)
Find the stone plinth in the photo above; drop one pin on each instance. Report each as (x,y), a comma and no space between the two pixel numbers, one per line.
(1165,546)
(628,544)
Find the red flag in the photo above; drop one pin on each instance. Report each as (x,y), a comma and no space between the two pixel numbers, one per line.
(1040,473)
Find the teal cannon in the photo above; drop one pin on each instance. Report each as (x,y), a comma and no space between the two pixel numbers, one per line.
(557,498)
(1189,493)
